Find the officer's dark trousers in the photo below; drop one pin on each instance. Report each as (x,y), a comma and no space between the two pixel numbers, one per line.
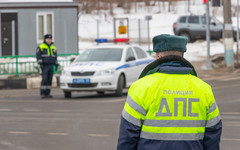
(47,74)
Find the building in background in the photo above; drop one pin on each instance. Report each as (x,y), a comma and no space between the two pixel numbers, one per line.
(23,25)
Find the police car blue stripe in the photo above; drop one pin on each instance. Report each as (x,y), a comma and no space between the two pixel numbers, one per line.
(123,66)
(145,61)
(133,64)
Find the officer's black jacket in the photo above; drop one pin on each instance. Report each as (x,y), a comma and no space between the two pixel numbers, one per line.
(43,58)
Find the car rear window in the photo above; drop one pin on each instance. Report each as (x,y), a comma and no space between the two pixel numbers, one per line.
(101,54)
(140,53)
(182,19)
(193,19)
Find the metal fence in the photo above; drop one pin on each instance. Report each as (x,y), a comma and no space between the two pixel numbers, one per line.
(27,64)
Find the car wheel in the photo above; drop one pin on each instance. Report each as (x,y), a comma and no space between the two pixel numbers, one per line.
(100,92)
(187,35)
(120,86)
(67,94)
(234,38)
(220,36)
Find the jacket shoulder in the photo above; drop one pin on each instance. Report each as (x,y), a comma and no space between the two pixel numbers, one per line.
(53,47)
(43,45)
(146,81)
(201,84)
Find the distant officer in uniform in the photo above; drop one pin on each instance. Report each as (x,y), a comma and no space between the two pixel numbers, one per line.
(46,57)
(169,108)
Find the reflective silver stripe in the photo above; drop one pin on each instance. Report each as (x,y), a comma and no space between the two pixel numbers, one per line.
(172,136)
(131,119)
(45,55)
(45,87)
(135,106)
(213,121)
(175,123)
(212,108)
(40,61)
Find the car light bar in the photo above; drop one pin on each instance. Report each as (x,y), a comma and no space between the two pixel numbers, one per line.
(117,40)
(101,40)
(121,40)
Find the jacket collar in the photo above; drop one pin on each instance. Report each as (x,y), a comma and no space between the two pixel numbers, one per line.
(47,43)
(169,64)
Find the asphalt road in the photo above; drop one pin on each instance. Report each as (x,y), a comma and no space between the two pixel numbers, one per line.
(89,121)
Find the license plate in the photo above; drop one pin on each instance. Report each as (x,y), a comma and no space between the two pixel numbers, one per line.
(81,81)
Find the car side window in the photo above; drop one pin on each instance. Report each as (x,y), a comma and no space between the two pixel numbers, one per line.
(130,55)
(193,19)
(203,18)
(212,20)
(182,19)
(140,53)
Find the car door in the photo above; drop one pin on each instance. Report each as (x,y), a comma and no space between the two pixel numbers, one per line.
(203,26)
(216,28)
(195,26)
(131,69)
(142,59)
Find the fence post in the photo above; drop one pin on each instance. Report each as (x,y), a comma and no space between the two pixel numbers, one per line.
(17,74)
(54,70)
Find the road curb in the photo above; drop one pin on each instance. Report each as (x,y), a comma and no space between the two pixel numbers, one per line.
(13,84)
(26,83)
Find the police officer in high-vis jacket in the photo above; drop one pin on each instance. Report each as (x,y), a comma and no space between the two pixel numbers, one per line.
(169,107)
(46,57)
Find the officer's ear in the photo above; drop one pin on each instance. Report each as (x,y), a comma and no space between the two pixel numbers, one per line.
(158,56)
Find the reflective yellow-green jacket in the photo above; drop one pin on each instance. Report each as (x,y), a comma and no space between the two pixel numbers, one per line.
(46,54)
(170,109)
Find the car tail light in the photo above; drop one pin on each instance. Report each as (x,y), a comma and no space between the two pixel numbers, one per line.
(175,25)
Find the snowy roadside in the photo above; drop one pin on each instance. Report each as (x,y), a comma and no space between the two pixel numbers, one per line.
(161,23)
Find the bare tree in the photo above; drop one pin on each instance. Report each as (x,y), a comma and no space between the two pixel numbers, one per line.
(90,6)
(169,5)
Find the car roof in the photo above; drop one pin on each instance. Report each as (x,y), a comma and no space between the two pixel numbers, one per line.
(191,15)
(111,46)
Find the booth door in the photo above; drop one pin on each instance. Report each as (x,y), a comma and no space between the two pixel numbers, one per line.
(9,32)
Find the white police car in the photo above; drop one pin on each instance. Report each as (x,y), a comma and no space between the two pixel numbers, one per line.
(104,68)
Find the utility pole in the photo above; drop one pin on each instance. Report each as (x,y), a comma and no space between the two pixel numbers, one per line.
(209,63)
(169,5)
(148,18)
(228,35)
(237,31)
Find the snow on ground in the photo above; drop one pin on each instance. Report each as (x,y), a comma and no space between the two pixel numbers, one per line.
(161,23)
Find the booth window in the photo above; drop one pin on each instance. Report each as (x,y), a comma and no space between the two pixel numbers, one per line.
(44,25)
